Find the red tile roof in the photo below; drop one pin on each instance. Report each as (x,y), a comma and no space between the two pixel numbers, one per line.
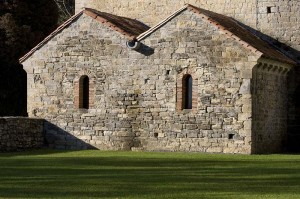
(131,28)
(243,34)
(232,28)
(135,30)
(128,27)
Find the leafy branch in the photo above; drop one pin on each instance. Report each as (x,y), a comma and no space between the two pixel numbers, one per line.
(66,8)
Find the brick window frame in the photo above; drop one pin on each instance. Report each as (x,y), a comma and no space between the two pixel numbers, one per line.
(181,90)
(78,92)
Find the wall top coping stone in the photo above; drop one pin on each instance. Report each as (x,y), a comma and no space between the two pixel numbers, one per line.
(22,118)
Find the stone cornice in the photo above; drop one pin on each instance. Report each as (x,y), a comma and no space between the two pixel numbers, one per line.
(274,66)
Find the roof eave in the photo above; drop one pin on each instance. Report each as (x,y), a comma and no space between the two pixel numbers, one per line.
(289,62)
(203,16)
(224,30)
(109,24)
(49,37)
(242,42)
(160,24)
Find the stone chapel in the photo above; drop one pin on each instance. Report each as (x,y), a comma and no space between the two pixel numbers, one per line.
(216,76)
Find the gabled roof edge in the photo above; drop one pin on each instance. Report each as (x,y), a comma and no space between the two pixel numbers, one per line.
(160,24)
(110,24)
(223,29)
(55,32)
(237,38)
(192,8)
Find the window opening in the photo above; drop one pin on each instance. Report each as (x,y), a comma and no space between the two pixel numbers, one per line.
(230,136)
(187,97)
(84,92)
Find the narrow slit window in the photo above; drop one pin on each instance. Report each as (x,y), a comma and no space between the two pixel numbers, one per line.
(84,92)
(187,92)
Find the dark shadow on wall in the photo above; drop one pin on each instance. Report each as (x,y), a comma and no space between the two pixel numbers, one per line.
(294,111)
(292,145)
(145,50)
(57,138)
(266,138)
(283,48)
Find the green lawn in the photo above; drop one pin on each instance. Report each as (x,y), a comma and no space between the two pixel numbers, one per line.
(96,174)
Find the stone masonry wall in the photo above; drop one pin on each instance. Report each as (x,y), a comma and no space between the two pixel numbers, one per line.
(282,21)
(221,72)
(135,92)
(279,19)
(18,134)
(152,11)
(270,96)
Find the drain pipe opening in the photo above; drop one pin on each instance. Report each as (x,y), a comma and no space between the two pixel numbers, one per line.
(133,45)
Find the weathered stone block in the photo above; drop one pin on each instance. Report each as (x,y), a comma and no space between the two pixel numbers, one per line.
(214,150)
(246,86)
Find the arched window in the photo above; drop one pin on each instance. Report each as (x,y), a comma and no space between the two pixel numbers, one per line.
(84,92)
(187,92)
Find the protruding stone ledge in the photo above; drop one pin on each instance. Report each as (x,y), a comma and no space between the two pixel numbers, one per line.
(273,66)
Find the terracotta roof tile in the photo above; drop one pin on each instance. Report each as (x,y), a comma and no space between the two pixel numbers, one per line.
(232,28)
(126,26)
(241,32)
(135,30)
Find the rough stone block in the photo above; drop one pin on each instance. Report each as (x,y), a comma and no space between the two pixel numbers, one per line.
(214,150)
(245,87)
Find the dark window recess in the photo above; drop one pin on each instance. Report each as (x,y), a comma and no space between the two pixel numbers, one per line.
(84,92)
(269,10)
(156,135)
(230,136)
(168,72)
(187,92)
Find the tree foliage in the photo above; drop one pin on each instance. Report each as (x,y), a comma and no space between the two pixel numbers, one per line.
(23,23)
(66,9)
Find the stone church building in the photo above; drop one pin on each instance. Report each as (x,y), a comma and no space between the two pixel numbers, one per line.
(207,76)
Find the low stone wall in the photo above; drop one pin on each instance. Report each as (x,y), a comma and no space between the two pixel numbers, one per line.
(18,134)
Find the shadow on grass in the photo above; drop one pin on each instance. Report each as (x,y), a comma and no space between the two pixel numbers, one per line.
(34,152)
(155,175)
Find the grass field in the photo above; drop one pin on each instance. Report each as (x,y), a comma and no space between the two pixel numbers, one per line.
(96,174)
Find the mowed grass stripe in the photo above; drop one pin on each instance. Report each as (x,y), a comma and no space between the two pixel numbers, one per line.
(98,174)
